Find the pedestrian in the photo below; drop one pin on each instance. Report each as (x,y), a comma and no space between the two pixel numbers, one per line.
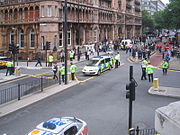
(73,70)
(9,66)
(79,55)
(50,60)
(38,61)
(55,69)
(150,71)
(167,58)
(143,67)
(62,55)
(117,60)
(165,66)
(62,72)
(88,53)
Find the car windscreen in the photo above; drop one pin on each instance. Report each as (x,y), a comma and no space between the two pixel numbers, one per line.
(4,59)
(92,62)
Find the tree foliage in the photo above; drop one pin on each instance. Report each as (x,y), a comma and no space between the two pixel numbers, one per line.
(169,18)
(147,21)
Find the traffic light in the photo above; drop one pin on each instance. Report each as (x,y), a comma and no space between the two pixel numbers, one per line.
(47,45)
(17,49)
(130,90)
(11,47)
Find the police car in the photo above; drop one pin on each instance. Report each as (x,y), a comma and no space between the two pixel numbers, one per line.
(61,126)
(3,61)
(97,65)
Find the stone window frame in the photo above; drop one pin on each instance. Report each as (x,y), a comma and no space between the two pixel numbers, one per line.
(42,11)
(49,11)
(61,37)
(21,38)
(12,37)
(32,41)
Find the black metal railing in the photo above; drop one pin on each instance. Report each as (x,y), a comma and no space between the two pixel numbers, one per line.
(19,90)
(145,131)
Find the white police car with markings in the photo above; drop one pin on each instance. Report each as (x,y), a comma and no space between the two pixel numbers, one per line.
(61,126)
(98,64)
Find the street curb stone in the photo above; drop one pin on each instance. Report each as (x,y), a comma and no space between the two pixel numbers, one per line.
(165,91)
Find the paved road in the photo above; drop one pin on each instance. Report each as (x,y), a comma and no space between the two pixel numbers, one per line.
(100,102)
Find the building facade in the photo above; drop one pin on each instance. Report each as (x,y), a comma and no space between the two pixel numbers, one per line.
(31,23)
(153,6)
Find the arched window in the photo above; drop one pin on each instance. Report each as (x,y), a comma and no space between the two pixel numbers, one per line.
(11,37)
(21,38)
(32,38)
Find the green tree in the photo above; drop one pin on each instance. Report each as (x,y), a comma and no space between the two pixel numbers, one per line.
(158,20)
(147,21)
(171,15)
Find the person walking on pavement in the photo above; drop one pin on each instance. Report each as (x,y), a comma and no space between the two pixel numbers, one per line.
(38,61)
(73,70)
(55,69)
(50,60)
(62,72)
(150,71)
(165,66)
(143,67)
(117,60)
(9,66)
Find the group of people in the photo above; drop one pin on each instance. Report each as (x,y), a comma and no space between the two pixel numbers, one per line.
(148,69)
(61,71)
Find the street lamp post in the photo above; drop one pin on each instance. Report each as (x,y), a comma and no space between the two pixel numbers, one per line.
(65,38)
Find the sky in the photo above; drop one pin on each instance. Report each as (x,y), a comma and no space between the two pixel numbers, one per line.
(165,1)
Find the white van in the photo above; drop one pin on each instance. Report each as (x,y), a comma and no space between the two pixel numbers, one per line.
(126,43)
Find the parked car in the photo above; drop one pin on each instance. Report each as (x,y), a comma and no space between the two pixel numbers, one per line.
(3,61)
(61,126)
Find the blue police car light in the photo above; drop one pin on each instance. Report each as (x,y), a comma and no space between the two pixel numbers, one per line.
(104,55)
(98,57)
(56,122)
(49,125)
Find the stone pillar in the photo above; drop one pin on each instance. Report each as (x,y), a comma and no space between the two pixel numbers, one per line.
(133,30)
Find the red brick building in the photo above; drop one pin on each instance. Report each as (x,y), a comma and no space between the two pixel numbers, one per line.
(30,23)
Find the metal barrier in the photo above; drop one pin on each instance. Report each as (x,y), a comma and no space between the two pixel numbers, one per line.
(146,131)
(19,90)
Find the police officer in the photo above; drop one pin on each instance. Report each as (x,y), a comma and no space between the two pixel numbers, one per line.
(143,67)
(73,70)
(117,60)
(9,66)
(62,72)
(71,55)
(50,60)
(150,71)
(165,66)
